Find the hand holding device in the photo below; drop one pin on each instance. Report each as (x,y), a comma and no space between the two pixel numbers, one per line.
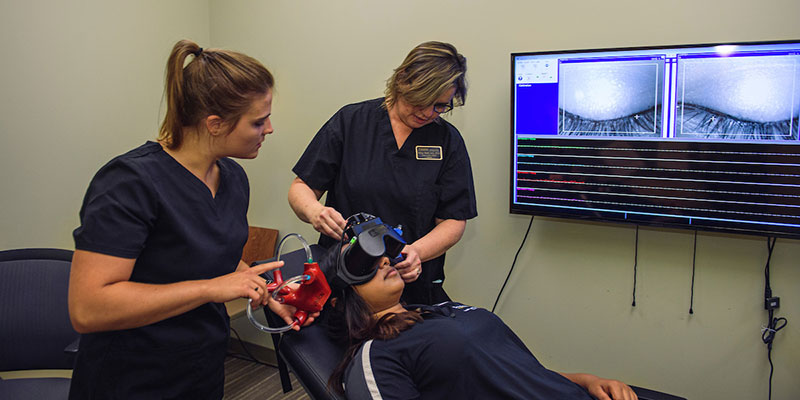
(308,297)
(409,264)
(328,222)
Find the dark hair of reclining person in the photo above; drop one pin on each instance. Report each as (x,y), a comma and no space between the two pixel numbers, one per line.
(448,350)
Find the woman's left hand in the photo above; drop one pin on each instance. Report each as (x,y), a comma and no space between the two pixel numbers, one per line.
(608,389)
(602,389)
(286,312)
(411,267)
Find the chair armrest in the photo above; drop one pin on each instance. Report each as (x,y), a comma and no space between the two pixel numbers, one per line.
(647,394)
(72,348)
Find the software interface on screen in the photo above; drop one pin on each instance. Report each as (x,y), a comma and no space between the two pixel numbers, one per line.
(701,136)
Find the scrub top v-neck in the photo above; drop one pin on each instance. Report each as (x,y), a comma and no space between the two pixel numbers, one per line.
(144,205)
(355,158)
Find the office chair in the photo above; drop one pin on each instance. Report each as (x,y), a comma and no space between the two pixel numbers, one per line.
(35,330)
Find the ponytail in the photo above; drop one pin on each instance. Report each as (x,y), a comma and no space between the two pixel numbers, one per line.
(213,82)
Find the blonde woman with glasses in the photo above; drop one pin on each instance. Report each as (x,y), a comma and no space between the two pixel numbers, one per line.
(396,157)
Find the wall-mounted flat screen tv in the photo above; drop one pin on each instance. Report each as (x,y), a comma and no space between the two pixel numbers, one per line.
(693,136)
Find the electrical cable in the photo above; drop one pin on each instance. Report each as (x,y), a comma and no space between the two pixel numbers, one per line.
(512,264)
(250,356)
(694,258)
(635,264)
(767,287)
(773,324)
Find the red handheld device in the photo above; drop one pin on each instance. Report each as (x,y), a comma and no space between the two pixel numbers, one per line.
(309,297)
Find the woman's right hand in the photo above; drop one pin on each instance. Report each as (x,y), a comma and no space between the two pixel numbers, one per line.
(329,222)
(305,203)
(102,297)
(244,282)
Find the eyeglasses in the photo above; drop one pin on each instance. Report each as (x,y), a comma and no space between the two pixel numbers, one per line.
(442,108)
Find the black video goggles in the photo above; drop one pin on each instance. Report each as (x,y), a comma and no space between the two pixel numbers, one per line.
(370,239)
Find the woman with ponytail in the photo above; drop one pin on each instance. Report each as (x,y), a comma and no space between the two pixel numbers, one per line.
(162,228)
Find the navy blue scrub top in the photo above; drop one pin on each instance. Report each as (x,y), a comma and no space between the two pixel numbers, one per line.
(456,352)
(354,157)
(144,205)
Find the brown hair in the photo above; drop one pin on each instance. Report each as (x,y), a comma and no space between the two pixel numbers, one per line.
(215,82)
(429,70)
(350,322)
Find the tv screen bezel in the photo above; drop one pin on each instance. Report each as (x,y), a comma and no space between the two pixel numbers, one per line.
(516,210)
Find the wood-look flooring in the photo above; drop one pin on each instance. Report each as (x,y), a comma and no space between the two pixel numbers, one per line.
(248,380)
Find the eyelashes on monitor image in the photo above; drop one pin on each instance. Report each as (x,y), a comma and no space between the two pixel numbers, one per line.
(643,123)
(610,98)
(711,124)
(738,98)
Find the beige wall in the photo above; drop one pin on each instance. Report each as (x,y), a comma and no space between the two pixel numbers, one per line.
(570,296)
(80,82)
(70,103)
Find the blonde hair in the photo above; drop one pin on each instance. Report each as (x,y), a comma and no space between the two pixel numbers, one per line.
(215,82)
(429,70)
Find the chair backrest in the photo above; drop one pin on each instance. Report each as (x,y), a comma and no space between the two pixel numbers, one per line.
(34,318)
(260,244)
(310,353)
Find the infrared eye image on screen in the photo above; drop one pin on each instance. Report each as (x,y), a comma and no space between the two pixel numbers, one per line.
(598,97)
(746,97)
(694,136)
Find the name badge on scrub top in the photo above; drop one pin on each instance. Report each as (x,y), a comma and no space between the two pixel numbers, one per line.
(429,153)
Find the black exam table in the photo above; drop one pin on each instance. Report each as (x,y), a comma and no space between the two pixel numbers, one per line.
(311,355)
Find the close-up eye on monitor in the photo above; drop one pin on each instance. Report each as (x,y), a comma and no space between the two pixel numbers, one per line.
(693,136)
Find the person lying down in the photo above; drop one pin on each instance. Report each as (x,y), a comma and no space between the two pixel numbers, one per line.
(448,350)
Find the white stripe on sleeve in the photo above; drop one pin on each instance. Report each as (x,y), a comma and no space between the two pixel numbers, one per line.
(369,377)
